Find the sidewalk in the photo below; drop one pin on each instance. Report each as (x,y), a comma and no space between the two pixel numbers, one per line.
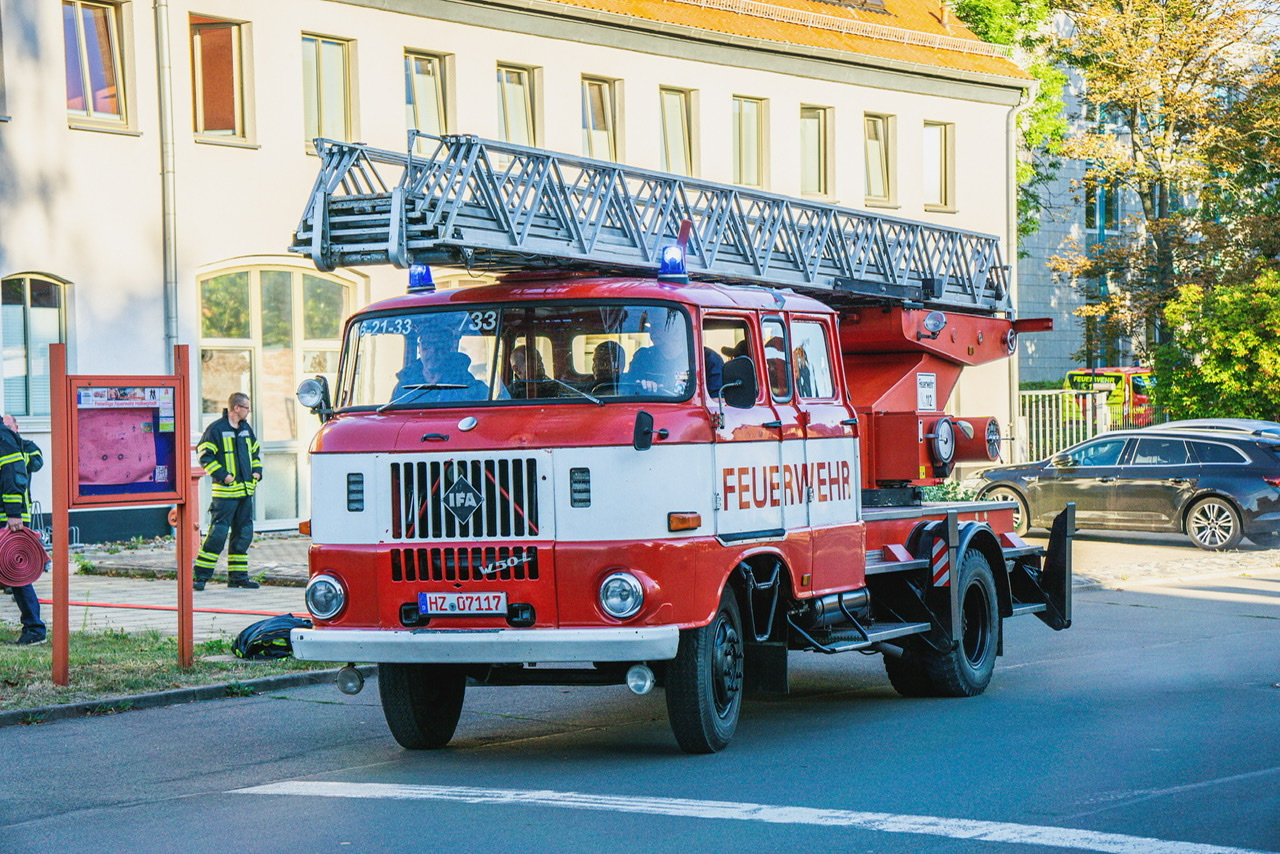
(136,577)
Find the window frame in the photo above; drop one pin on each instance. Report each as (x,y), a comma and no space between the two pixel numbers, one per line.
(413,119)
(609,101)
(888,163)
(30,354)
(120,51)
(823,138)
(945,200)
(317,84)
(741,138)
(686,117)
(529,100)
(241,93)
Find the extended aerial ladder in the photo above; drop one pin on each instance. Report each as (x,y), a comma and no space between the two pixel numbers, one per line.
(477,203)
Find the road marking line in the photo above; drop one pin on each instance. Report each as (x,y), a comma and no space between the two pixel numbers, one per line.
(954,828)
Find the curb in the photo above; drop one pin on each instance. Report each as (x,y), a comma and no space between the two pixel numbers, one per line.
(116,705)
(268,578)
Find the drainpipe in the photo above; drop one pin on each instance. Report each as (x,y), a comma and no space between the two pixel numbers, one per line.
(1011,241)
(168,207)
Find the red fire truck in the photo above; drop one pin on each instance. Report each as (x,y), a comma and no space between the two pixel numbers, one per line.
(685,433)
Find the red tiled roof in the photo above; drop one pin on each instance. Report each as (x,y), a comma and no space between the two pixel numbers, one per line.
(910,31)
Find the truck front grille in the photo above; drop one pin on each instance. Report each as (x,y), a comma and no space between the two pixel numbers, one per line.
(482,563)
(471,499)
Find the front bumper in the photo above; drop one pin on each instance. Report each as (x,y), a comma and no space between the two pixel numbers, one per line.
(486,646)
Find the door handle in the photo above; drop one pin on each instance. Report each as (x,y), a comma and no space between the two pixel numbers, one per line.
(1106,480)
(1180,481)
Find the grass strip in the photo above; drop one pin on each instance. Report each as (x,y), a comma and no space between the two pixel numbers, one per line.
(112,663)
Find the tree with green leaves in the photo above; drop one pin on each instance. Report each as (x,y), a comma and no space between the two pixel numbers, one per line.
(1182,88)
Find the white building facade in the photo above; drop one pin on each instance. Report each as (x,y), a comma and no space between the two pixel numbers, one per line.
(155,157)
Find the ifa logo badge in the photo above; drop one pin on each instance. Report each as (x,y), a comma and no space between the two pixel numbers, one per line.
(462,500)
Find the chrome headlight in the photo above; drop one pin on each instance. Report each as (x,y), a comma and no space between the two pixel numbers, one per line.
(621,595)
(310,393)
(325,597)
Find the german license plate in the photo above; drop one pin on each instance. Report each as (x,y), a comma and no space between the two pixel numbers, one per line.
(453,604)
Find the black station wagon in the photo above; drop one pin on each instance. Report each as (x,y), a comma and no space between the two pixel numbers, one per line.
(1217,486)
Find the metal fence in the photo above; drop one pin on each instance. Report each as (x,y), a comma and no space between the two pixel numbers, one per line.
(1058,418)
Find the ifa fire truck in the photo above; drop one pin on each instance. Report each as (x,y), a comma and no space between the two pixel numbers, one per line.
(683,434)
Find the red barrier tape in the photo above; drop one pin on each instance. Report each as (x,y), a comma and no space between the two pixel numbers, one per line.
(174,608)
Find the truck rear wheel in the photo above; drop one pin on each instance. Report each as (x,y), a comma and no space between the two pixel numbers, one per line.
(704,681)
(966,670)
(421,702)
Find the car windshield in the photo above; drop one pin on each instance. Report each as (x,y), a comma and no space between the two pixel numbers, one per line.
(502,354)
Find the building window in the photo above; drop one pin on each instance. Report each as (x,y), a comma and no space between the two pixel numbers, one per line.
(424,105)
(217,76)
(938,168)
(264,329)
(677,135)
(815,162)
(95,70)
(1101,205)
(599,135)
(878,150)
(326,106)
(748,142)
(515,105)
(31,318)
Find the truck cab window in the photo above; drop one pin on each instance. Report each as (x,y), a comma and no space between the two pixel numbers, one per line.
(777,358)
(812,360)
(723,339)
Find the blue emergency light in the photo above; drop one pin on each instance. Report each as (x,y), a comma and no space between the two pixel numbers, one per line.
(671,267)
(420,281)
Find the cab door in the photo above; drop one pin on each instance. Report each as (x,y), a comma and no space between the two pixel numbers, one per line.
(747,448)
(830,480)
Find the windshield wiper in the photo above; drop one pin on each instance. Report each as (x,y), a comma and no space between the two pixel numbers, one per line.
(591,397)
(418,387)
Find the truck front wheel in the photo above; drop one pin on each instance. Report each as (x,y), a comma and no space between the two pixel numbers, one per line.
(704,681)
(421,702)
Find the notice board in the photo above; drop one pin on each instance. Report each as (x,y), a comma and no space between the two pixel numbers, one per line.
(126,439)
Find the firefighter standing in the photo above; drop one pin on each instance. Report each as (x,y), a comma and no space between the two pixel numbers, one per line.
(229,453)
(19,459)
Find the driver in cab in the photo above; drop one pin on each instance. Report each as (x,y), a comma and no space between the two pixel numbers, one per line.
(441,373)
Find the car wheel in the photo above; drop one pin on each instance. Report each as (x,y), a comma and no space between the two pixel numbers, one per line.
(1266,541)
(1021,514)
(1214,524)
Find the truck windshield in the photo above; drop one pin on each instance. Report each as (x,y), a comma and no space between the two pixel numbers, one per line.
(504,354)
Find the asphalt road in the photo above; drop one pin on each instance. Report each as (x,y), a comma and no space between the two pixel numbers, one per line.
(1150,726)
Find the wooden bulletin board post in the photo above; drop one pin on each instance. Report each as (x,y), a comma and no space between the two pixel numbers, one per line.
(119,441)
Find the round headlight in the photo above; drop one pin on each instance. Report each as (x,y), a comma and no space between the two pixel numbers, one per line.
(621,595)
(310,393)
(325,597)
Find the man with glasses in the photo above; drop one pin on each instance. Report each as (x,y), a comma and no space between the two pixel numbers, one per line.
(230,453)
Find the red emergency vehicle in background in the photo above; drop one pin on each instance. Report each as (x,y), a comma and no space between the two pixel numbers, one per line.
(594,473)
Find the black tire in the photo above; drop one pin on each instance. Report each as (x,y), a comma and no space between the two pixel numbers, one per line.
(1021,516)
(966,670)
(704,681)
(421,702)
(909,674)
(1214,525)
(1266,541)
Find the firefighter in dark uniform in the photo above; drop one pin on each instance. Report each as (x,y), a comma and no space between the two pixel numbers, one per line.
(19,459)
(229,453)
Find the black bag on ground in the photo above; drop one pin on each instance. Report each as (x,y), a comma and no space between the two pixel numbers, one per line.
(268,638)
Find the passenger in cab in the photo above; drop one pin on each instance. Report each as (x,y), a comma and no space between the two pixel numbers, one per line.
(440,374)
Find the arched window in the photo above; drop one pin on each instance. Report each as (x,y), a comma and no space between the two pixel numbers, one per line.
(32,313)
(263,330)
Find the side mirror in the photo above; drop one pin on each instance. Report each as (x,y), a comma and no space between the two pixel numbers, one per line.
(314,395)
(642,436)
(739,389)
(1062,461)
